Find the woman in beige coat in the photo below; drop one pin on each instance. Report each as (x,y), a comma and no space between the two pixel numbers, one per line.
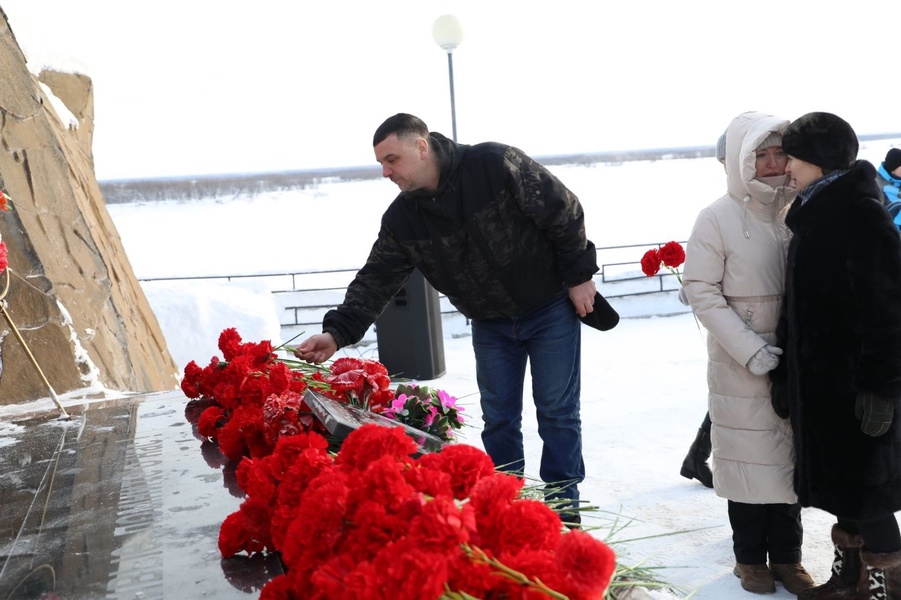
(734,279)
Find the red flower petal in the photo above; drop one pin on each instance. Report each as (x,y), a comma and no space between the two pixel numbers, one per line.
(672,254)
(650,262)
(346,363)
(229,340)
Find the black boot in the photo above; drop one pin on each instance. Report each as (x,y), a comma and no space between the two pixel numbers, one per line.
(695,464)
(883,574)
(849,575)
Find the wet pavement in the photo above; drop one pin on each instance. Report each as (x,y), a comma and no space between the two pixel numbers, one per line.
(121,501)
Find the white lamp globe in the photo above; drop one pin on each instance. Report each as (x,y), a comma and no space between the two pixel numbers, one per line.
(447,32)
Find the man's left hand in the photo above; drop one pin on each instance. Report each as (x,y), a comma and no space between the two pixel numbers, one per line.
(582,297)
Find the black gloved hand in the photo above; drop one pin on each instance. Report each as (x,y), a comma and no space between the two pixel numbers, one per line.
(875,413)
(779,398)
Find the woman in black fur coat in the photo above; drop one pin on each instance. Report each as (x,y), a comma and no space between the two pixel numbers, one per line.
(840,378)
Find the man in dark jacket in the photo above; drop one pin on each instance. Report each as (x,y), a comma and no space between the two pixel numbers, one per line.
(840,378)
(505,241)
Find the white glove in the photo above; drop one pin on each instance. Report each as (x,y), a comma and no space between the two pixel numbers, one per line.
(682,297)
(765,360)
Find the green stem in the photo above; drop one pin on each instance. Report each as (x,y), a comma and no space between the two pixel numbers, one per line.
(478,556)
(679,277)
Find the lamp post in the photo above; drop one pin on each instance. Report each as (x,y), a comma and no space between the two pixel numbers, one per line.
(448,33)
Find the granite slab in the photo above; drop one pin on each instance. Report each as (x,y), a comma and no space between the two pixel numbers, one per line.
(123,500)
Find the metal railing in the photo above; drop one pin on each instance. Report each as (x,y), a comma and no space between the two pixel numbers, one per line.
(303,297)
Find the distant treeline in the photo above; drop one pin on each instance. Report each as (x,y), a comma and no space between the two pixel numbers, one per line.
(224,186)
(250,184)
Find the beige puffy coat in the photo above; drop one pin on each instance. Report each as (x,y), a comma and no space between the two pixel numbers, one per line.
(734,277)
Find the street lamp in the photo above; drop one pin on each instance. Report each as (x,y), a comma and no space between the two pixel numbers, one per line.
(448,33)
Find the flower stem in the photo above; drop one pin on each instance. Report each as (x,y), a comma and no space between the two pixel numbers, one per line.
(679,277)
(478,556)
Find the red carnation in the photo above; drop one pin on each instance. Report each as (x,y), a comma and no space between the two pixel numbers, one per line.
(672,254)
(382,481)
(329,580)
(281,416)
(465,464)
(319,526)
(369,442)
(360,382)
(289,448)
(529,524)
(407,572)
(210,421)
(277,588)
(4,262)
(588,562)
(490,498)
(429,481)
(233,538)
(190,383)
(374,528)
(363,583)
(229,341)
(442,526)
(650,262)
(492,495)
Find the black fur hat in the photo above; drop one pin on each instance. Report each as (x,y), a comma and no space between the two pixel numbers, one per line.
(822,139)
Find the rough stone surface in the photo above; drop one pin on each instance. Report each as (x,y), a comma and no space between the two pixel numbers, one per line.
(71,290)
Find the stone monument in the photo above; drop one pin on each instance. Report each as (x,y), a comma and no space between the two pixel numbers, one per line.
(72,292)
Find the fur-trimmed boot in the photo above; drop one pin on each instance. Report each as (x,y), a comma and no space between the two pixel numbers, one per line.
(695,464)
(849,575)
(883,574)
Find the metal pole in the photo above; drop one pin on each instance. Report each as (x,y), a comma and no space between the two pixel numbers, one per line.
(450,72)
(53,396)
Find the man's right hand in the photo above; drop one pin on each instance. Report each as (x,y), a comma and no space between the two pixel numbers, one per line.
(317,349)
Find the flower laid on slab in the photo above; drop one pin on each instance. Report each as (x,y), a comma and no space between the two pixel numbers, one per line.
(373,522)
(246,400)
(430,410)
(362,383)
(372,516)
(231,393)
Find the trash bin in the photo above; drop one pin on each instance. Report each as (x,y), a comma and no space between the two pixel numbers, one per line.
(409,333)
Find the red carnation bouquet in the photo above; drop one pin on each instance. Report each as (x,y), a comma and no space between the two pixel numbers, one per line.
(374,522)
(246,400)
(671,255)
(374,518)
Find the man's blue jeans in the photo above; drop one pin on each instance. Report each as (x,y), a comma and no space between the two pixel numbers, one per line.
(550,338)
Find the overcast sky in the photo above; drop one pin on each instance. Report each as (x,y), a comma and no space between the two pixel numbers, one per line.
(191,87)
